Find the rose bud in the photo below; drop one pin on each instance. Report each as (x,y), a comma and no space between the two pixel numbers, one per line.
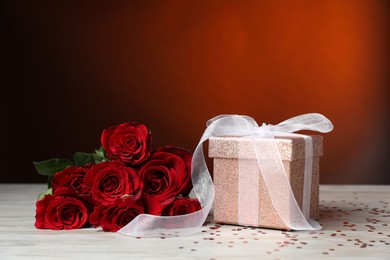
(128,142)
(167,174)
(111,180)
(59,212)
(117,214)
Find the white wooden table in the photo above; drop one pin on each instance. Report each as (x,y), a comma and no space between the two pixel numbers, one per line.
(355,220)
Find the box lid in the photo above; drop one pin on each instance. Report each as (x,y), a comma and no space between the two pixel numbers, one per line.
(291,148)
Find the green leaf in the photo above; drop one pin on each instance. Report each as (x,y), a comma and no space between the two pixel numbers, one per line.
(100,152)
(50,167)
(43,194)
(99,155)
(81,159)
(97,159)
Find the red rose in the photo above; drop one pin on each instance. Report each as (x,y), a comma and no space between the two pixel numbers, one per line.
(180,206)
(70,179)
(117,214)
(59,212)
(167,173)
(129,142)
(185,155)
(110,180)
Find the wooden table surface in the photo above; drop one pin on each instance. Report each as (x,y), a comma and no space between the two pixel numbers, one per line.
(355,220)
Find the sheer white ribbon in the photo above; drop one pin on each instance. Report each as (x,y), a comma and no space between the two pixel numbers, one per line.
(269,161)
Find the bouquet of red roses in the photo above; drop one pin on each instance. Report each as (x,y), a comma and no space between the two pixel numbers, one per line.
(116,183)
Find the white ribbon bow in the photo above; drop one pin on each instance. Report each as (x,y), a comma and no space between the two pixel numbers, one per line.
(145,225)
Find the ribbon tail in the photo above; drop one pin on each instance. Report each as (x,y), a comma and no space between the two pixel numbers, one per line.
(145,225)
(273,173)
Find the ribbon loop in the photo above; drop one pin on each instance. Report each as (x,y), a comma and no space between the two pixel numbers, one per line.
(313,121)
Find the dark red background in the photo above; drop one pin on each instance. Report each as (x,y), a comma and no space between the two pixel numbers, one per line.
(73,68)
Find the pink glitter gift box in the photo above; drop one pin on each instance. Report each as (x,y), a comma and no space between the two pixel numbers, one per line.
(228,151)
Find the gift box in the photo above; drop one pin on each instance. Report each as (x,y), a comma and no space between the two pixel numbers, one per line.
(234,161)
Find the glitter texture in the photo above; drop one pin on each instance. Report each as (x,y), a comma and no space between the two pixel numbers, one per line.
(225,151)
